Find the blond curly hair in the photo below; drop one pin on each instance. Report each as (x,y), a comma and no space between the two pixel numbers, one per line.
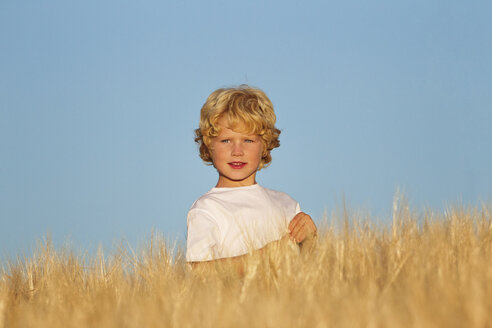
(245,106)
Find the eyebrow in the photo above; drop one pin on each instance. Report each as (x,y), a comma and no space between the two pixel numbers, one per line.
(244,133)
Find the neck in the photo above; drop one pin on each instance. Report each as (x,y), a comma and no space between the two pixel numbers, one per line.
(227,183)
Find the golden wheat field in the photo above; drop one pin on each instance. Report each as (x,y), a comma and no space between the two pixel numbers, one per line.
(424,269)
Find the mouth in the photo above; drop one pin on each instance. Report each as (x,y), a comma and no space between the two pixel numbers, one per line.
(237,165)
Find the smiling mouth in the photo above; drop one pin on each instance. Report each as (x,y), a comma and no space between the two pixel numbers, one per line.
(237,165)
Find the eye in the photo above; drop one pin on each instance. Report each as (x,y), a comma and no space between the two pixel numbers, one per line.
(224,140)
(249,140)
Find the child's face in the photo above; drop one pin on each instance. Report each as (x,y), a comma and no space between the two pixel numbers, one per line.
(236,156)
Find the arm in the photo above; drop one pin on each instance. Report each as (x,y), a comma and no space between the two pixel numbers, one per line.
(238,262)
(302,229)
(209,266)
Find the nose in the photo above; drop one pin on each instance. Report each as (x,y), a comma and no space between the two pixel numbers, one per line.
(237,149)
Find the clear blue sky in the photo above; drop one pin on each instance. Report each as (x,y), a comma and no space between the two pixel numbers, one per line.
(99,100)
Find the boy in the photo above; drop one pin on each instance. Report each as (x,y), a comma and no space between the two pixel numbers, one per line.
(236,134)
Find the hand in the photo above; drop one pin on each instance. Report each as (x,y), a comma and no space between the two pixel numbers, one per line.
(302,227)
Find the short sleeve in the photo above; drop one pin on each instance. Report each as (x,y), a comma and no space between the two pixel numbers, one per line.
(202,237)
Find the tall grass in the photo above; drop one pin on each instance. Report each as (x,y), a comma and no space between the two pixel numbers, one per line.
(424,270)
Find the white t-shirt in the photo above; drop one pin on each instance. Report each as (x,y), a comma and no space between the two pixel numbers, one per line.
(227,222)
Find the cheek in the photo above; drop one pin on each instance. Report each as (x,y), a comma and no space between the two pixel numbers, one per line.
(218,150)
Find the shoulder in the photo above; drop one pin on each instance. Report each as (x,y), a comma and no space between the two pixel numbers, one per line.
(283,200)
(212,205)
(279,196)
(206,202)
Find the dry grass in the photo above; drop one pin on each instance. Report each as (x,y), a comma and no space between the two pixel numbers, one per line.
(425,270)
